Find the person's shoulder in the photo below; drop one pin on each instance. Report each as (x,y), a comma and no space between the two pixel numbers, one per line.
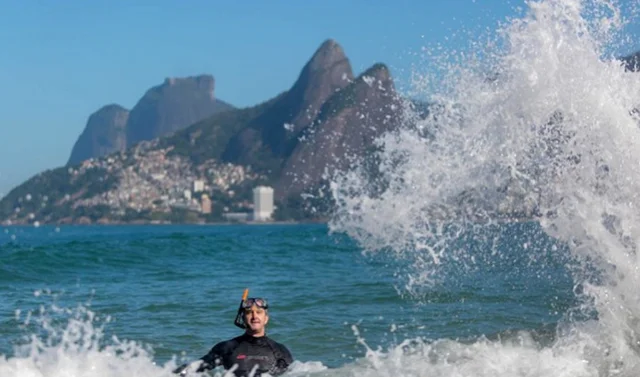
(273,341)
(279,345)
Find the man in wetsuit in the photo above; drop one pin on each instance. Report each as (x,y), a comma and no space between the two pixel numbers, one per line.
(252,353)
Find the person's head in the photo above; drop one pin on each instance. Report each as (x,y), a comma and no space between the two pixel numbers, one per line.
(255,315)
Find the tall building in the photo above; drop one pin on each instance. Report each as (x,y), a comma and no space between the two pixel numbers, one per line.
(262,203)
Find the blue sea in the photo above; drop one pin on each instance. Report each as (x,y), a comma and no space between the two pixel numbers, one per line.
(109,300)
(498,236)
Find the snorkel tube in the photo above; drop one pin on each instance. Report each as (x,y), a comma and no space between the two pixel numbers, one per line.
(239,321)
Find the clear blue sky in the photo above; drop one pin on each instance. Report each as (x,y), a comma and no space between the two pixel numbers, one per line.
(63,60)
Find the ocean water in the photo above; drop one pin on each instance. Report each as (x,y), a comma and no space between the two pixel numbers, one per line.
(103,301)
(413,275)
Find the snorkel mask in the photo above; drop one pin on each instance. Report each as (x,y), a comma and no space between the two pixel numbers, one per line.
(257,301)
(247,303)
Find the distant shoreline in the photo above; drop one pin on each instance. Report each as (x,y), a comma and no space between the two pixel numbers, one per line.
(323,221)
(134,223)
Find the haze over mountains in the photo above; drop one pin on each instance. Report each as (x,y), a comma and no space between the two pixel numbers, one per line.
(166,108)
(145,160)
(289,141)
(294,138)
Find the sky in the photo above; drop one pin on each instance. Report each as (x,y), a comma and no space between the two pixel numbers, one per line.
(63,60)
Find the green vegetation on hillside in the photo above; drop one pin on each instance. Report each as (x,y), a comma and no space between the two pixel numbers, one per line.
(208,139)
(48,191)
(254,137)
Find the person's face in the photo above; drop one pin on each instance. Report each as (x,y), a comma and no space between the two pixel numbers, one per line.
(256,319)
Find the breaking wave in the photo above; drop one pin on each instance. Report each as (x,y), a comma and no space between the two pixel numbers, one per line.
(544,127)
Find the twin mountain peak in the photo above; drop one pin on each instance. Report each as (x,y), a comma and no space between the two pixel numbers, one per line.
(140,161)
(143,161)
(335,113)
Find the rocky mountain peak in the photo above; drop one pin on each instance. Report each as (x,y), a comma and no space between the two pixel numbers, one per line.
(175,104)
(345,128)
(327,71)
(327,55)
(104,133)
(203,82)
(272,133)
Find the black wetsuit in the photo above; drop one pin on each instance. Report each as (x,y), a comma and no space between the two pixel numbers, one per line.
(246,351)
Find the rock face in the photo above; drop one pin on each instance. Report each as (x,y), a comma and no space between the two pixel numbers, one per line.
(271,134)
(174,105)
(346,126)
(324,122)
(105,133)
(164,109)
(328,71)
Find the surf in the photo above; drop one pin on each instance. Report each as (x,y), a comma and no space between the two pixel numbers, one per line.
(543,127)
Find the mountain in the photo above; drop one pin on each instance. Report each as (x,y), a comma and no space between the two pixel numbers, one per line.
(166,108)
(171,106)
(346,127)
(320,124)
(271,134)
(323,120)
(105,133)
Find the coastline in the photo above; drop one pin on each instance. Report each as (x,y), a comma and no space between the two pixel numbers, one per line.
(164,223)
(323,221)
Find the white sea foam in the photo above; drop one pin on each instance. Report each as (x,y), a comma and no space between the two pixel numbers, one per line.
(62,342)
(544,126)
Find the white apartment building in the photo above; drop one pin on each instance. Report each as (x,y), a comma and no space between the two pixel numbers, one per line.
(198,185)
(262,203)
